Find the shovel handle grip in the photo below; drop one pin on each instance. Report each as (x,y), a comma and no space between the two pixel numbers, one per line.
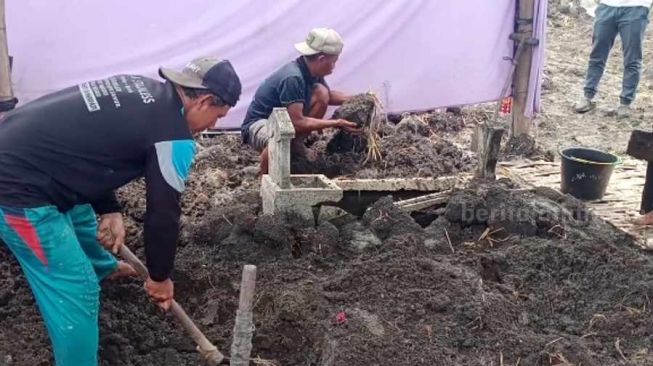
(204,346)
(132,259)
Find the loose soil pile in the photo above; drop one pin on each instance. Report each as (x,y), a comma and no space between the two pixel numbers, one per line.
(414,147)
(525,146)
(359,110)
(546,282)
(404,152)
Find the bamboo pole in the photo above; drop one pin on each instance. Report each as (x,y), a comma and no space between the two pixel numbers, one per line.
(6,92)
(521,125)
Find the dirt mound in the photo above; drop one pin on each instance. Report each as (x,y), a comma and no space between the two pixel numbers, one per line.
(526,276)
(360,110)
(410,148)
(407,154)
(404,153)
(539,286)
(525,146)
(223,167)
(444,122)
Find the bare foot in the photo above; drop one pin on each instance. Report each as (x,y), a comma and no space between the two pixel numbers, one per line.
(644,220)
(124,270)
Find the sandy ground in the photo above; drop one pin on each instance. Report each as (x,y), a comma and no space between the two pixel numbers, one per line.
(569,44)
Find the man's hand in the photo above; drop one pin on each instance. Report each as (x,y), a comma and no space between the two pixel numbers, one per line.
(349,127)
(160,292)
(111,232)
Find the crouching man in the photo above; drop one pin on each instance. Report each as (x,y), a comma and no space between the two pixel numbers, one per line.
(300,87)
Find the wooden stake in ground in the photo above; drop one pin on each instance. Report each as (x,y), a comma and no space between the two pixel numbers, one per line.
(489,146)
(520,124)
(241,347)
(7,100)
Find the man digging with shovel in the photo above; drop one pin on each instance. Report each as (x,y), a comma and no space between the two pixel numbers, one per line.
(61,158)
(300,87)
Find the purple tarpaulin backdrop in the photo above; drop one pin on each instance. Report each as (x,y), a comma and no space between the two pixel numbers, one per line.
(415,54)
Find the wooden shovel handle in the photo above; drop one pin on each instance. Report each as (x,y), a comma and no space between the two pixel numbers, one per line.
(134,261)
(204,346)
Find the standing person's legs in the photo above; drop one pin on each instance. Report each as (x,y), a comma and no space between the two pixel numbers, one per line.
(605,32)
(61,277)
(83,219)
(632,24)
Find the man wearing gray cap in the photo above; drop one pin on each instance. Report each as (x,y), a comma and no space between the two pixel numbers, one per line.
(61,158)
(300,87)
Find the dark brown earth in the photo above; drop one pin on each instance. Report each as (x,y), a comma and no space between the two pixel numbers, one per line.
(554,284)
(525,146)
(413,147)
(359,110)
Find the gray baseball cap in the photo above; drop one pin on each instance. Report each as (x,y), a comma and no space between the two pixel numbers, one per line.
(208,73)
(321,40)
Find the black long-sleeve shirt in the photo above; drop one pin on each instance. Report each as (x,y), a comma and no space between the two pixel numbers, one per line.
(78,145)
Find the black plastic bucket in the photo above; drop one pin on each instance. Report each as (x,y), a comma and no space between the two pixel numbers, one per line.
(585,173)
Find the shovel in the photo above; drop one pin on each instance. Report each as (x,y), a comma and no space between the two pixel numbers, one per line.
(209,352)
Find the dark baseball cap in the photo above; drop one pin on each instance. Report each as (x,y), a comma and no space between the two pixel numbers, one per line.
(208,73)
